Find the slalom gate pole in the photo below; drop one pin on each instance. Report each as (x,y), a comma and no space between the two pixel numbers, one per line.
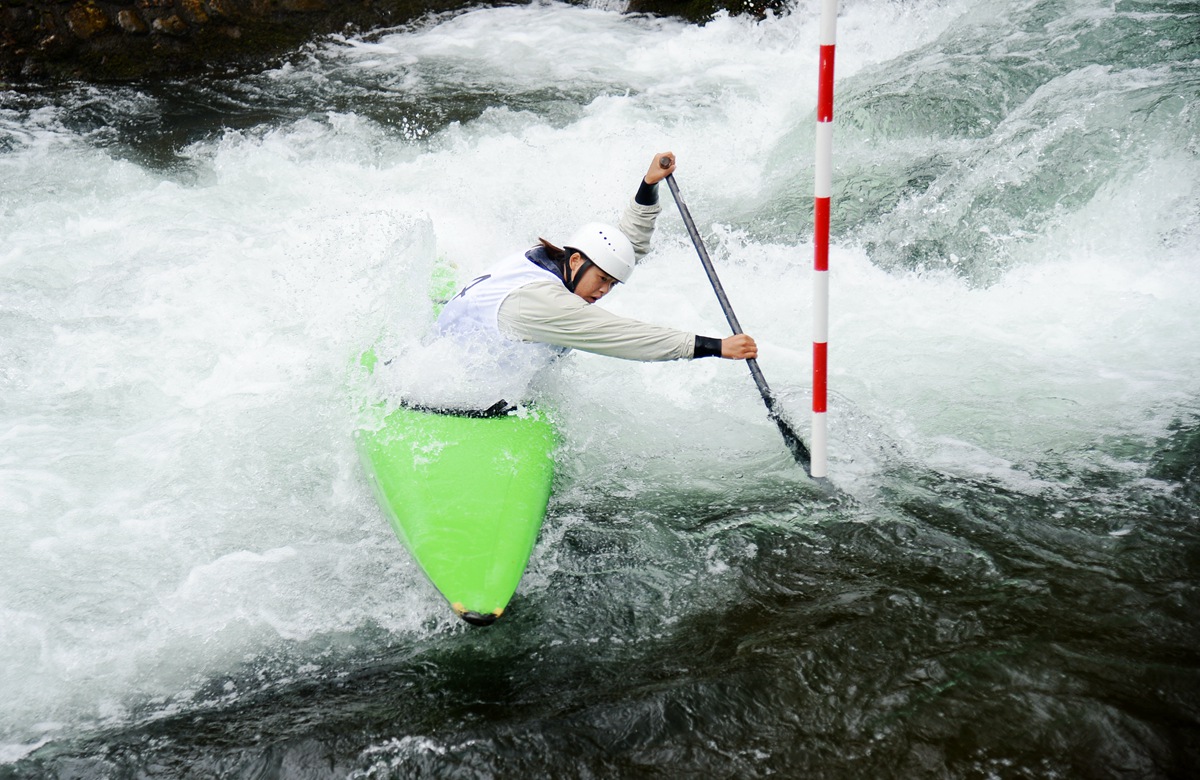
(791,439)
(822,191)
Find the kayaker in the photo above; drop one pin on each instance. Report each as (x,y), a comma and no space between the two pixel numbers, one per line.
(536,304)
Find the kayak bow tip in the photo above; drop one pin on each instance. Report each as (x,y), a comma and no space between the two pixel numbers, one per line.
(476,618)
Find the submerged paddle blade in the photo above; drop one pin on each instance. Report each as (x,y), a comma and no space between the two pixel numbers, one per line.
(791,438)
(794,443)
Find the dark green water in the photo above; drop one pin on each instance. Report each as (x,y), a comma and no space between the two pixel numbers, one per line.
(955,629)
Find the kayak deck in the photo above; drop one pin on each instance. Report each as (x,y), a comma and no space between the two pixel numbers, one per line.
(466,496)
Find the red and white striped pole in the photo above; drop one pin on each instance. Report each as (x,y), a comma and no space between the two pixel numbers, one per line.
(823,187)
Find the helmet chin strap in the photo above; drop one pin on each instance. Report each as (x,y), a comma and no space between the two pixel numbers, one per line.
(571,280)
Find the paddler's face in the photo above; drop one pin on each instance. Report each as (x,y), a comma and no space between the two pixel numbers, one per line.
(595,283)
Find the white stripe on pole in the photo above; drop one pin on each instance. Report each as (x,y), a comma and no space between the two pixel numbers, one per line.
(819,467)
(821,306)
(829,9)
(824,161)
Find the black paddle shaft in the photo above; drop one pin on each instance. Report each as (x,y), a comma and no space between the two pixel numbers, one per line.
(792,439)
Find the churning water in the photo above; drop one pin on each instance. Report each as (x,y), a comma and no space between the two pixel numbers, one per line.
(195,579)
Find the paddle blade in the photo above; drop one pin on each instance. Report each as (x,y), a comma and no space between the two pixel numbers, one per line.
(791,438)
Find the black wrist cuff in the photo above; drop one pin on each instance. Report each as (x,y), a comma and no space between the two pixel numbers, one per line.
(706,347)
(647,194)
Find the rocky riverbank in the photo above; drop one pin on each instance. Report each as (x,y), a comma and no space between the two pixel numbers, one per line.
(116,40)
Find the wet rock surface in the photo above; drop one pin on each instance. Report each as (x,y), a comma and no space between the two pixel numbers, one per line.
(113,40)
(117,40)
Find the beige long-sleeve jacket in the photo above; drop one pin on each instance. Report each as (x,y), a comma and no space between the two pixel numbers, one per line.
(548,313)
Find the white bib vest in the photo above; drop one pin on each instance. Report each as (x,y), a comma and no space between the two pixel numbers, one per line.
(471,320)
(476,308)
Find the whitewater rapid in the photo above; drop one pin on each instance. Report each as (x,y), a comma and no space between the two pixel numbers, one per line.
(1013,283)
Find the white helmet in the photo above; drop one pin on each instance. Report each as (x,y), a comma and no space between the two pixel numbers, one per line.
(606,247)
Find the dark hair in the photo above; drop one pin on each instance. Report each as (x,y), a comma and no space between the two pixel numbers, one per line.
(557,254)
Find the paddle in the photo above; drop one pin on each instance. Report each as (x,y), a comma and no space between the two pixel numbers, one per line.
(792,439)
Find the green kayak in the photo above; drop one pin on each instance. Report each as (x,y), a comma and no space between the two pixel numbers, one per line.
(466,495)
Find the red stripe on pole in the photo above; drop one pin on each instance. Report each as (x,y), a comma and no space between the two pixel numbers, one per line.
(821,234)
(825,85)
(820,369)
